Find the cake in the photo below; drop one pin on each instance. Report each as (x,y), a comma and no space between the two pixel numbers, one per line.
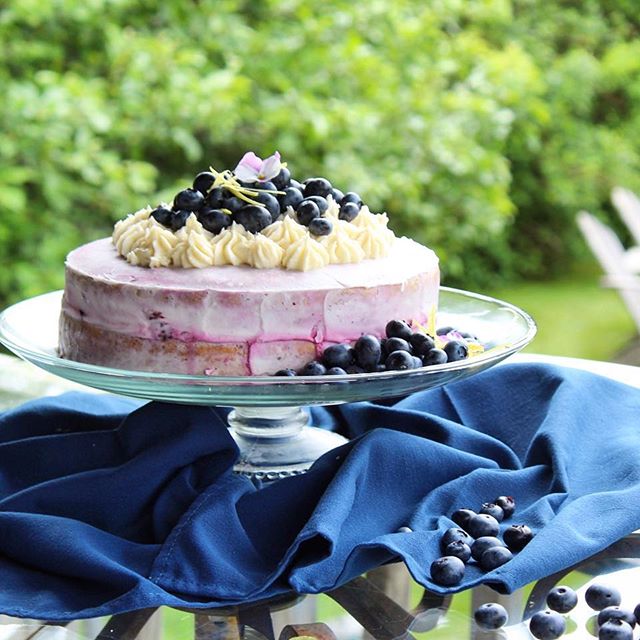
(224,283)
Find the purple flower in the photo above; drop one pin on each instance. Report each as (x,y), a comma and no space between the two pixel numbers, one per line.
(253,169)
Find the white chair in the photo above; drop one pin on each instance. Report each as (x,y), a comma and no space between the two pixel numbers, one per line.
(628,205)
(611,255)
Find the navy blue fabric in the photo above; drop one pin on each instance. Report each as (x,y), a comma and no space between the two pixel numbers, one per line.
(108,506)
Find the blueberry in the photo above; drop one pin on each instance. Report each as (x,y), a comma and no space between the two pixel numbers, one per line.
(599,596)
(517,536)
(353,197)
(178,219)
(337,195)
(336,371)
(616,613)
(292,197)
(322,203)
(547,625)
(270,203)
(398,329)
(482,544)
(636,613)
(317,187)
(562,599)
(320,227)
(348,211)
(252,217)
(421,343)
(615,630)
(458,549)
(495,557)
(282,179)
(203,182)
(354,368)
(285,372)
(368,351)
(233,204)
(296,185)
(483,524)
(307,210)
(404,530)
(313,368)
(213,220)
(188,200)
(217,197)
(493,510)
(399,361)
(433,357)
(447,571)
(454,534)
(397,344)
(462,516)
(507,503)
(417,362)
(162,215)
(442,331)
(338,355)
(456,350)
(264,186)
(490,615)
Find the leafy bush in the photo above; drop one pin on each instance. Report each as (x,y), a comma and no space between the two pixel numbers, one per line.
(481,127)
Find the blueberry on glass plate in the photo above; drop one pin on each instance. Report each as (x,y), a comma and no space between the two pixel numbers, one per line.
(599,596)
(490,615)
(562,599)
(368,351)
(338,355)
(547,625)
(615,629)
(616,613)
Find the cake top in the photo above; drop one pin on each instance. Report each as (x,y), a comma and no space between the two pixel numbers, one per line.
(255,215)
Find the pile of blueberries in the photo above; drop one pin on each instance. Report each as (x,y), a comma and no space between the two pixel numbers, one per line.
(476,539)
(613,622)
(216,207)
(402,349)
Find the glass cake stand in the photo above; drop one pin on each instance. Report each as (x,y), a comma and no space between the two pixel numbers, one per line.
(268,420)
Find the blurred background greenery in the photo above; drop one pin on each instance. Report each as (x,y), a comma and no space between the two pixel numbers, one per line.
(481,126)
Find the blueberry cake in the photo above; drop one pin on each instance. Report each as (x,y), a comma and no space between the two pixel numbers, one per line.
(246,272)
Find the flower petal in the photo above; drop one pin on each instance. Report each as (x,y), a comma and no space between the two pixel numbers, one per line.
(270,167)
(248,167)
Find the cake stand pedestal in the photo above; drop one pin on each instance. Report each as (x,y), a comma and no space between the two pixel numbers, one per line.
(277,442)
(268,421)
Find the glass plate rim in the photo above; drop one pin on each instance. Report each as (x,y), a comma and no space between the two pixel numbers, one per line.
(42,357)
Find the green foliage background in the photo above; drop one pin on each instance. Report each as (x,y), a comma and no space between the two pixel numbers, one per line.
(481,126)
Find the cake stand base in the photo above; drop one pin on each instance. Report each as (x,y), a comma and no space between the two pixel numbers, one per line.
(277,442)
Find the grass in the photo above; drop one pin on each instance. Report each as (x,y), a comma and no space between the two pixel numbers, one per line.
(575,316)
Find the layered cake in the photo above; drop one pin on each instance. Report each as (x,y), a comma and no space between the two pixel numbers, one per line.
(245,273)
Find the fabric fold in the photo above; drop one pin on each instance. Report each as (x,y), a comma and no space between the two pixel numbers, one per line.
(108,506)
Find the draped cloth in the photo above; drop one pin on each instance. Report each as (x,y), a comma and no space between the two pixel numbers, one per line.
(109,505)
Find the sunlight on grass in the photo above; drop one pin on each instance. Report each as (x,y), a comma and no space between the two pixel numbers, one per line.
(575,317)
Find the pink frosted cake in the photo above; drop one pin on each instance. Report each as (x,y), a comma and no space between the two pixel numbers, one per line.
(214,286)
